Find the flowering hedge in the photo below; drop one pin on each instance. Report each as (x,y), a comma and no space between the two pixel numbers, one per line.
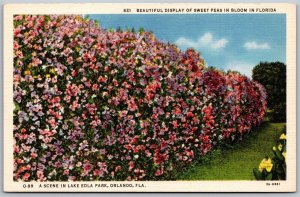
(92,104)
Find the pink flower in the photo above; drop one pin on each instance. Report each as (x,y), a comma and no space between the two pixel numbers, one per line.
(131,165)
(33,155)
(158,172)
(175,124)
(98,172)
(177,111)
(95,87)
(17,32)
(87,167)
(132,105)
(26,176)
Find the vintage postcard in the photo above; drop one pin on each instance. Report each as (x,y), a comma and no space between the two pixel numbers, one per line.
(171,97)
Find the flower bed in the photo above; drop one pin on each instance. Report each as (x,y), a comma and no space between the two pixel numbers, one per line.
(273,168)
(92,104)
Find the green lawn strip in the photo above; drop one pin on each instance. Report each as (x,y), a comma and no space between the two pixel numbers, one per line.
(237,163)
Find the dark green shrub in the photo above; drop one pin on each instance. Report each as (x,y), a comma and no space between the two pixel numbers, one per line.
(272,75)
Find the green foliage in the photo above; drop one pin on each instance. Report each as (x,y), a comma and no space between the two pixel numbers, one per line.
(278,113)
(272,75)
(235,162)
(273,168)
(111,30)
(119,29)
(86,17)
(141,30)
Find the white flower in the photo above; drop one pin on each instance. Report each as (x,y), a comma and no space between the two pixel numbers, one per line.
(44,146)
(61,132)
(136,156)
(220,137)
(26,159)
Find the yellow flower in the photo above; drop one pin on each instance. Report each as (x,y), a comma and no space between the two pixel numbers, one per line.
(47,76)
(284,154)
(266,164)
(283,137)
(100,157)
(280,147)
(35,77)
(52,71)
(27,72)
(274,148)
(78,18)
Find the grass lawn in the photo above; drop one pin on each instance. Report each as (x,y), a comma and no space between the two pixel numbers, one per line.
(237,163)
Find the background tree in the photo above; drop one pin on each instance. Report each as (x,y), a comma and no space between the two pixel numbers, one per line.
(272,75)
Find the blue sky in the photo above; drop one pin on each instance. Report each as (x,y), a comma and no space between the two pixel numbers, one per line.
(231,41)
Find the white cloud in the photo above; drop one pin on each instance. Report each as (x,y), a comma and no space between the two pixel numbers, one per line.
(183,42)
(219,44)
(240,66)
(254,45)
(206,41)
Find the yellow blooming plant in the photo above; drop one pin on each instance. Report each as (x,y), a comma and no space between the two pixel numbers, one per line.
(273,168)
(283,137)
(27,72)
(52,71)
(266,164)
(284,155)
(280,147)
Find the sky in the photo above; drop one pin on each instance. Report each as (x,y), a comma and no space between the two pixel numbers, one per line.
(226,41)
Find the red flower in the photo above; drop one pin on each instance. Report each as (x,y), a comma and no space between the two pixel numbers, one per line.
(26,176)
(190,114)
(177,111)
(131,165)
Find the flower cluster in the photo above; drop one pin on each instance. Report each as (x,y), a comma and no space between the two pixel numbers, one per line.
(266,164)
(92,104)
(273,168)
